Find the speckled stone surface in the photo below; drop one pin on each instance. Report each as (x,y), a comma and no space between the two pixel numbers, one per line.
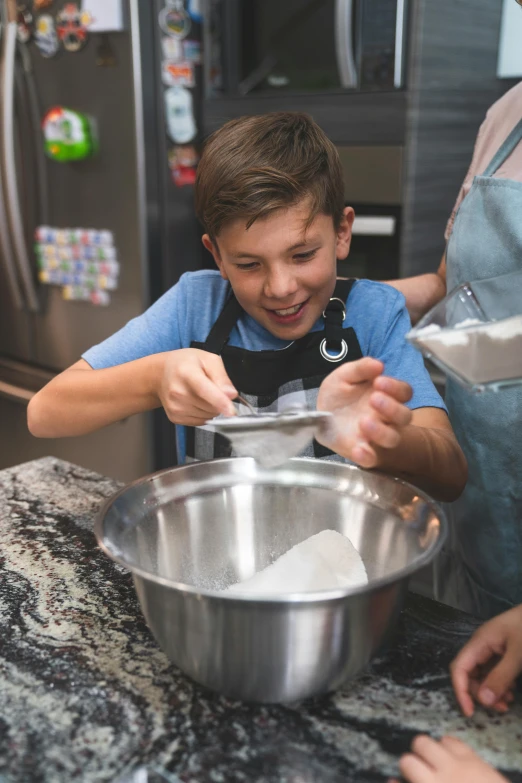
(86,694)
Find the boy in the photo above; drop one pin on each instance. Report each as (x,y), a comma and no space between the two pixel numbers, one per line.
(497,648)
(273,324)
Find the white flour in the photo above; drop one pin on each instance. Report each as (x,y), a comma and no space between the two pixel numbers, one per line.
(478,352)
(322,562)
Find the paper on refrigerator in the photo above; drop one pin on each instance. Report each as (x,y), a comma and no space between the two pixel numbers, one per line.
(106,15)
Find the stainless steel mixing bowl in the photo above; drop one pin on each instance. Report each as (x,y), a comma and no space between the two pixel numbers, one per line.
(189,532)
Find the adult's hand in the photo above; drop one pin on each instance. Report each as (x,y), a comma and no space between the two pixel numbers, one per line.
(487,667)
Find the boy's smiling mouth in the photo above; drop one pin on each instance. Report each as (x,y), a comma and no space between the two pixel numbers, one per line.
(288,314)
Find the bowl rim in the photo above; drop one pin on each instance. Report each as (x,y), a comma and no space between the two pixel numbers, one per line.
(309,597)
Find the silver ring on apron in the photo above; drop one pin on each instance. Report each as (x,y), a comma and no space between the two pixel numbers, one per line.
(337,357)
(343,305)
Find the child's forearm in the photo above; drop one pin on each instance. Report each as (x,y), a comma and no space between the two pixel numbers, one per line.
(430,458)
(82,400)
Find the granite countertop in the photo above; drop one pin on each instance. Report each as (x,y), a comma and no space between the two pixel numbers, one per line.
(86,694)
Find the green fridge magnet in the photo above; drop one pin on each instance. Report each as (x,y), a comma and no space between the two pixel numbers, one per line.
(68,135)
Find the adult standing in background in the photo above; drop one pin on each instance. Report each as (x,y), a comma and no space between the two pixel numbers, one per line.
(480,568)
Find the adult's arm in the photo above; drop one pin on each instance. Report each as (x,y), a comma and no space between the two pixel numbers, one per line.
(422,292)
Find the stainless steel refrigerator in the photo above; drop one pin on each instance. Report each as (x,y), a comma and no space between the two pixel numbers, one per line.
(126,188)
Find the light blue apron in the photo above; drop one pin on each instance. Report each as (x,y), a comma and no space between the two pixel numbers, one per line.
(480,570)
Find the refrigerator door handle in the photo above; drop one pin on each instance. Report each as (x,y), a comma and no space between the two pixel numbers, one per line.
(344,48)
(16,393)
(7,256)
(398,74)
(42,184)
(13,197)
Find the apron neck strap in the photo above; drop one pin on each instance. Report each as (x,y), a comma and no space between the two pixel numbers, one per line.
(504,150)
(220,332)
(333,315)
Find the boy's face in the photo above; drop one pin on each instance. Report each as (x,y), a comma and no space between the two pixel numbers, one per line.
(283,275)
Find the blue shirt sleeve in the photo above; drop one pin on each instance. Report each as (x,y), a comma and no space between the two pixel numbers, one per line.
(401,359)
(155,331)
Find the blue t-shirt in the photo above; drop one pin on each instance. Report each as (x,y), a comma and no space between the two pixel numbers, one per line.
(188,310)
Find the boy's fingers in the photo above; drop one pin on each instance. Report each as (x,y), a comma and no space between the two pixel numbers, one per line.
(390,410)
(215,369)
(189,400)
(501,678)
(400,390)
(214,396)
(378,433)
(189,420)
(359,371)
(364,455)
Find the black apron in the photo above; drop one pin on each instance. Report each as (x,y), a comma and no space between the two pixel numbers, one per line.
(273,380)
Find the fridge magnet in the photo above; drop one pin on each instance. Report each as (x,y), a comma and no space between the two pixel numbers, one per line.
(177,74)
(24,21)
(192,51)
(68,135)
(82,261)
(174,20)
(45,36)
(41,5)
(181,126)
(182,164)
(172,49)
(72,26)
(194,9)
(105,54)
(106,15)
(83,293)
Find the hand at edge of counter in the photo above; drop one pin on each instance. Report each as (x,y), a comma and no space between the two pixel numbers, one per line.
(445,761)
(486,668)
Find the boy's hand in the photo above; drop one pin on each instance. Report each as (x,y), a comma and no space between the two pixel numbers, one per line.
(447,761)
(487,667)
(195,387)
(369,410)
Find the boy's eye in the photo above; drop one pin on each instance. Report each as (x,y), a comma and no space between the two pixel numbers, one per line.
(306,256)
(246,267)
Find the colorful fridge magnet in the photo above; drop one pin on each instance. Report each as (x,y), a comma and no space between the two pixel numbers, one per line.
(40,5)
(24,21)
(181,74)
(68,135)
(45,36)
(174,20)
(181,126)
(192,51)
(182,164)
(72,24)
(172,49)
(194,9)
(82,261)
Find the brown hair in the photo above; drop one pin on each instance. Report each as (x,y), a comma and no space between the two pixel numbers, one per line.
(253,166)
